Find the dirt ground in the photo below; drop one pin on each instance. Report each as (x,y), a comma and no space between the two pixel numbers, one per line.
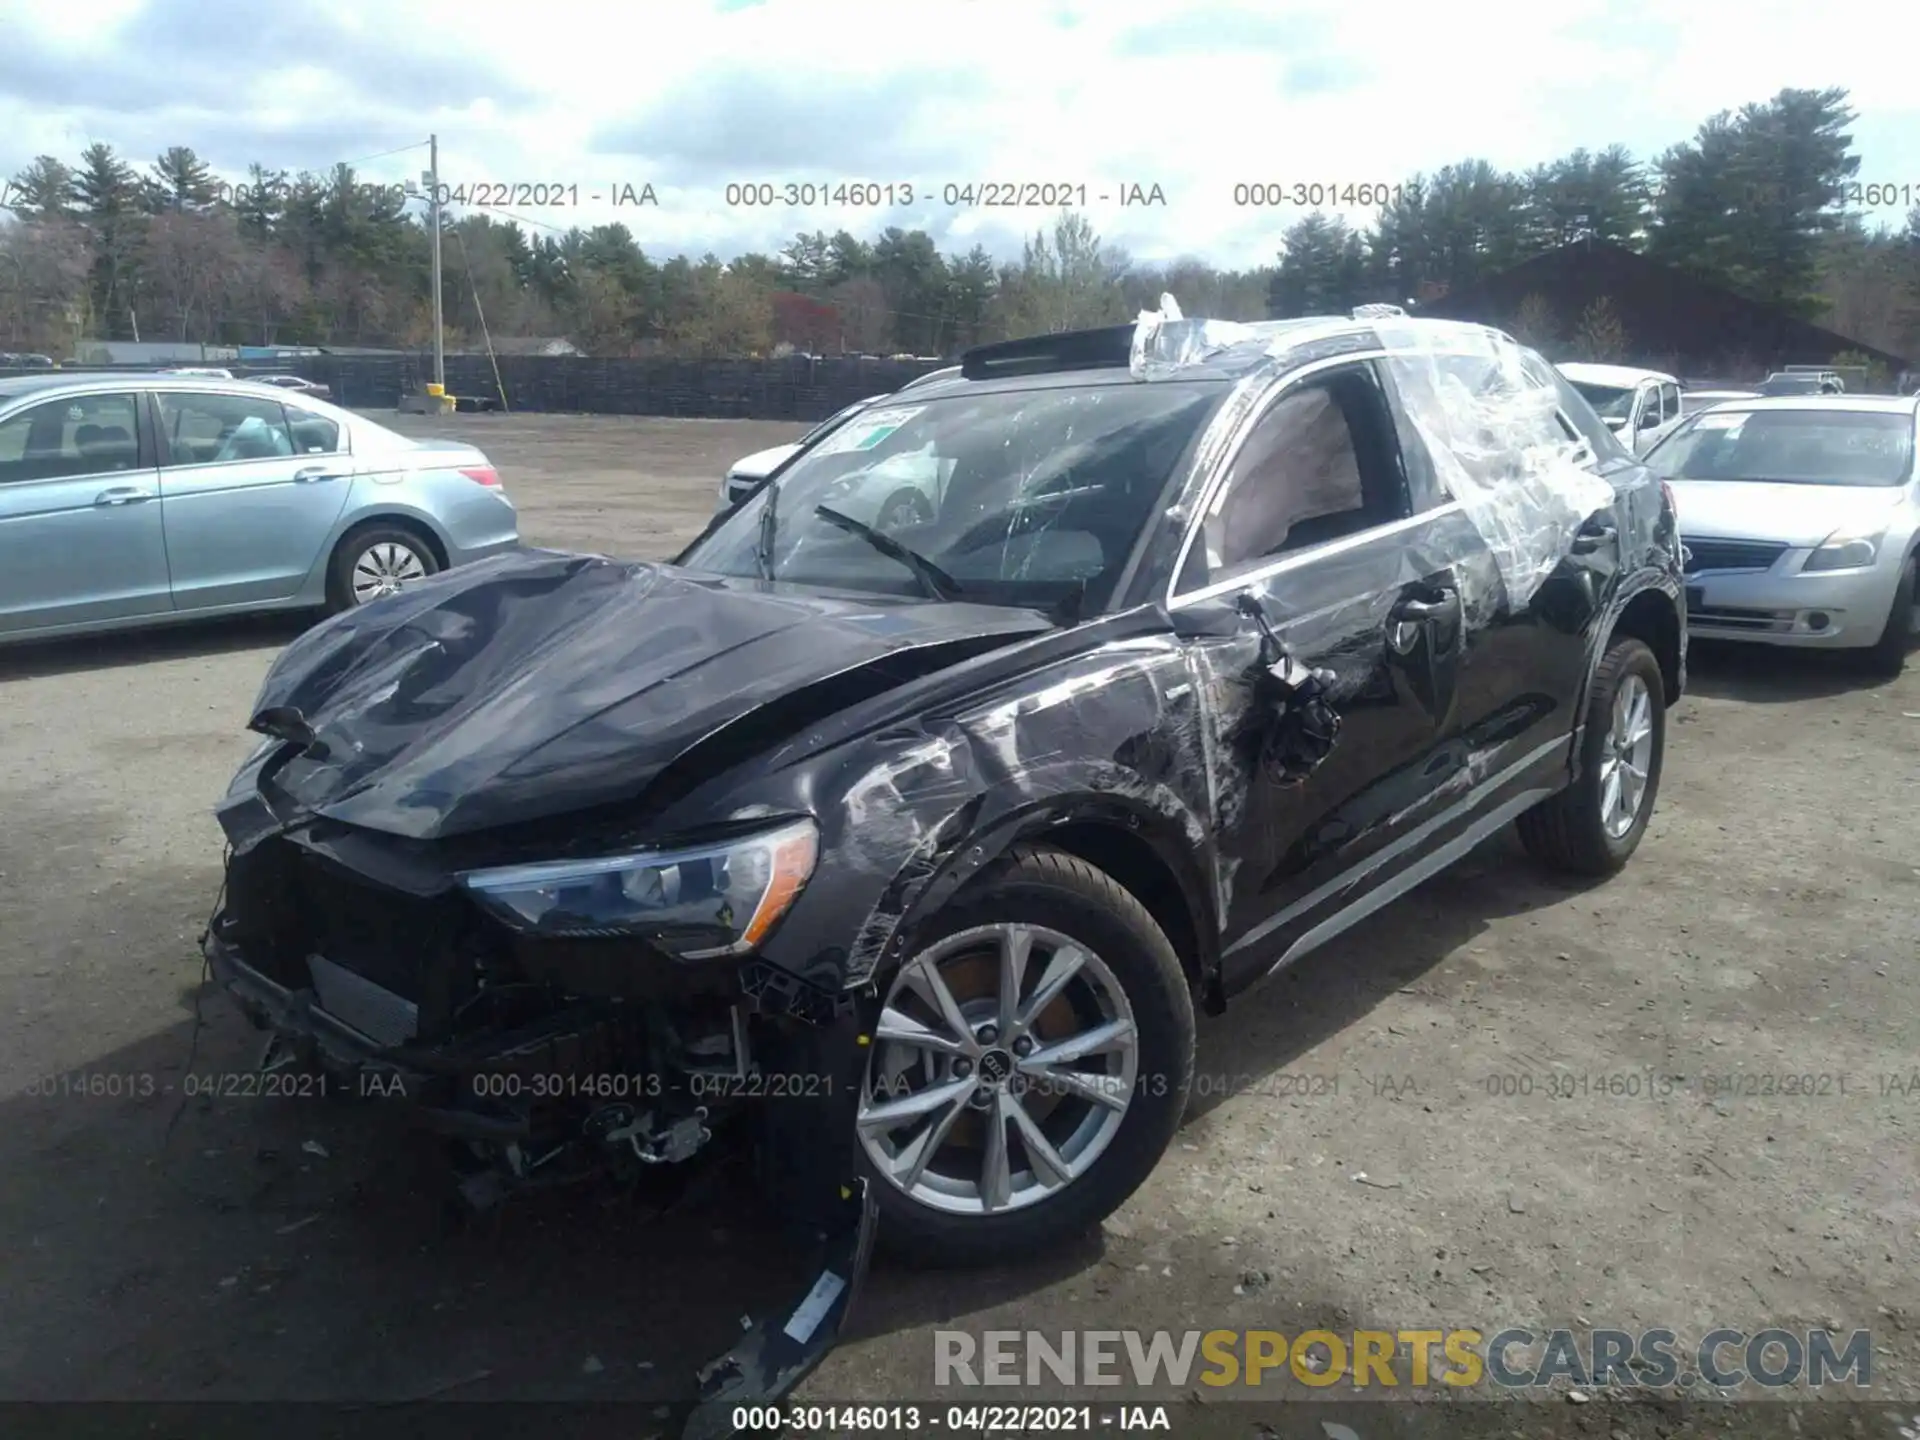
(165,1246)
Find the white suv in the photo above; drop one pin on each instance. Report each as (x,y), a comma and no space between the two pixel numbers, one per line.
(1641,406)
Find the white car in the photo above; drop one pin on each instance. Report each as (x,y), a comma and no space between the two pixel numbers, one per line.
(1641,406)
(748,471)
(1800,522)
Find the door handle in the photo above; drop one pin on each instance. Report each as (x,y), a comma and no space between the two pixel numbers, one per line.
(1412,612)
(1591,537)
(313,474)
(122,495)
(1407,618)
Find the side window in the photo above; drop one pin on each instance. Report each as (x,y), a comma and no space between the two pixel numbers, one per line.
(214,429)
(312,434)
(86,435)
(1669,403)
(1320,464)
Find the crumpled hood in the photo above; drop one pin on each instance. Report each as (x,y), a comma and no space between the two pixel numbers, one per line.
(538,682)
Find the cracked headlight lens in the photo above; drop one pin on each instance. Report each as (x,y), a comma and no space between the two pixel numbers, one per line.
(696,902)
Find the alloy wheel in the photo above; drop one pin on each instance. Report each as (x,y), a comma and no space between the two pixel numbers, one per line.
(1626,756)
(1003,1066)
(383,568)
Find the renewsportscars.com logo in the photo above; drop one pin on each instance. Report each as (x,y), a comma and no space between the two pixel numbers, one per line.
(1510,1359)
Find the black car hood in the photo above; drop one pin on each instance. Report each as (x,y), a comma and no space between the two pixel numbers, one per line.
(537,683)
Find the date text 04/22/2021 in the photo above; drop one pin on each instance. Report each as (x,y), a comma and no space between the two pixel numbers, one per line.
(954,194)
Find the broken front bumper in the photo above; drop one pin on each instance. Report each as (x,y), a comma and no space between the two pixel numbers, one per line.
(815,1180)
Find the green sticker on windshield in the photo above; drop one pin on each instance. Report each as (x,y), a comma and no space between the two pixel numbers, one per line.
(867,431)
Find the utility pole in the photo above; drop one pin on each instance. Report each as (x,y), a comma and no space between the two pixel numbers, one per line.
(433,217)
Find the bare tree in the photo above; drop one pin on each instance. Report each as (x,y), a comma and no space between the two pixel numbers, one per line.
(43,282)
(1068,281)
(191,265)
(269,289)
(1534,323)
(1600,336)
(862,304)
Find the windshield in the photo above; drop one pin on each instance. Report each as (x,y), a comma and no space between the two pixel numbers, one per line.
(835,419)
(1032,497)
(1790,447)
(1609,402)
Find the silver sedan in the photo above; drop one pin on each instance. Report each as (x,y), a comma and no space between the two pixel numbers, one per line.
(136,499)
(1801,521)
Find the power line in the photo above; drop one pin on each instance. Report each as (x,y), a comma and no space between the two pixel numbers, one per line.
(399,150)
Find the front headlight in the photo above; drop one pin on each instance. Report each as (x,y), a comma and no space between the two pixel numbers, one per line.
(1846,550)
(697,902)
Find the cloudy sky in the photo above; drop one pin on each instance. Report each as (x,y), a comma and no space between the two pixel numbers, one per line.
(1194,96)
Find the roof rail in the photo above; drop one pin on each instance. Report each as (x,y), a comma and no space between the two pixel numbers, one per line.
(1108,348)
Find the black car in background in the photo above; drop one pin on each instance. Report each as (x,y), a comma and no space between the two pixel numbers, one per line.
(908,856)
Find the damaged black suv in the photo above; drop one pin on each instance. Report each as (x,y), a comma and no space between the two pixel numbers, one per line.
(905,856)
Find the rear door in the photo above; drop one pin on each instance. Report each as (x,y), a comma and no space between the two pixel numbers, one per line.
(81,539)
(1523,669)
(251,490)
(1313,521)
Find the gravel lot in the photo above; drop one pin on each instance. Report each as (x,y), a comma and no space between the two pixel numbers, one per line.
(238,1247)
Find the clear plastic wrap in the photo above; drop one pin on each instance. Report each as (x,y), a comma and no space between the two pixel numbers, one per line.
(1492,430)
(1497,444)
(1165,342)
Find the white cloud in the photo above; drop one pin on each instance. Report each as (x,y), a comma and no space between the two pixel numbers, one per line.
(1194,97)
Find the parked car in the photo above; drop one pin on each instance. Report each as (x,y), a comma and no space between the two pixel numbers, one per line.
(1803,382)
(751,470)
(908,858)
(131,499)
(12,361)
(297,385)
(1642,406)
(1801,517)
(1692,402)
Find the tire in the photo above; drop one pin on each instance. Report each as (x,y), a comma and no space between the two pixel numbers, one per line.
(1887,656)
(1050,896)
(378,541)
(1570,831)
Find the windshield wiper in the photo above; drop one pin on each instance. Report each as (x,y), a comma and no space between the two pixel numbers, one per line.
(769,524)
(935,581)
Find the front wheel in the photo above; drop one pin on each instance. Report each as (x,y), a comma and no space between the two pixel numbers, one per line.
(1594,825)
(1031,1064)
(1887,656)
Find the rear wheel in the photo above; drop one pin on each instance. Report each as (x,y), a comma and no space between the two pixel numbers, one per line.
(377,560)
(1031,1064)
(1595,824)
(1888,655)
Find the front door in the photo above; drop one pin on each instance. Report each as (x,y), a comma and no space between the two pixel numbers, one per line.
(80,527)
(250,495)
(1313,525)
